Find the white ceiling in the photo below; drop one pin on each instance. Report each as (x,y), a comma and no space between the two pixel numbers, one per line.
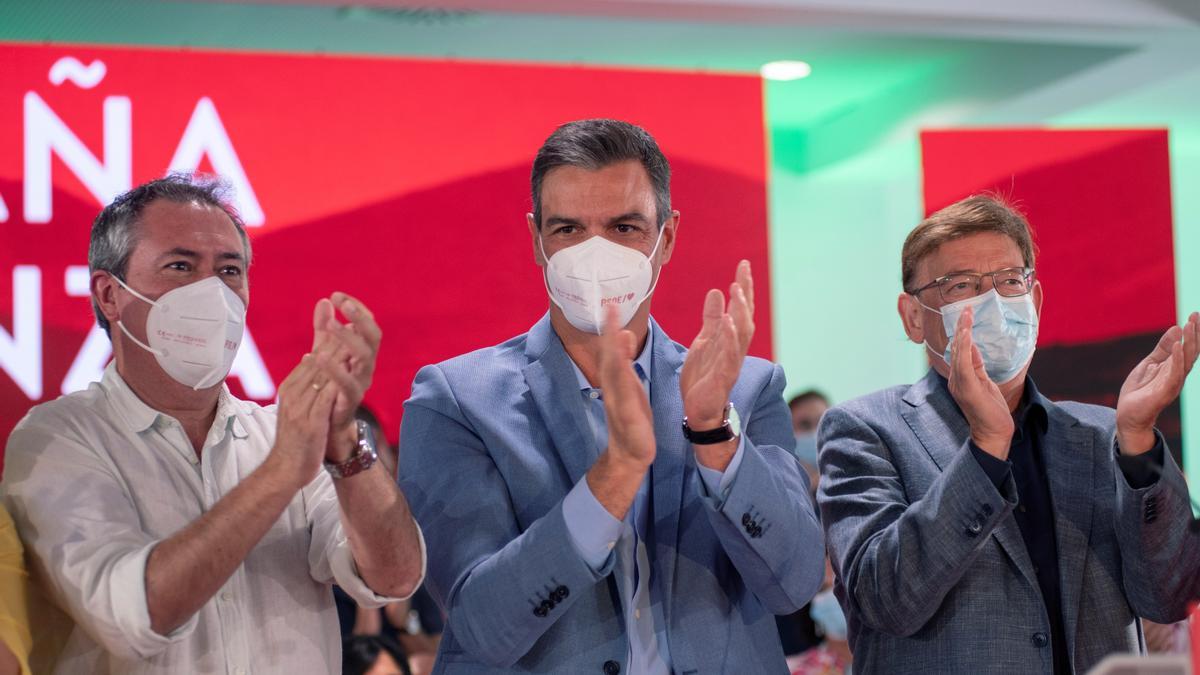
(927,16)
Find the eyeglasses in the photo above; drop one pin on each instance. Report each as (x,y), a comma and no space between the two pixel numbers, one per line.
(1011,282)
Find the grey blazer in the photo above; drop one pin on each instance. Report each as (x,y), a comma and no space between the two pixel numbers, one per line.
(493,440)
(931,567)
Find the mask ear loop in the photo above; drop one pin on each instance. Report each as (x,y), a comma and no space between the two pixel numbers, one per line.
(650,261)
(121,324)
(545,270)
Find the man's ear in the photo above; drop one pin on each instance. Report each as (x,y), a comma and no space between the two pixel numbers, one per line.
(910,316)
(1037,298)
(534,237)
(670,230)
(104,294)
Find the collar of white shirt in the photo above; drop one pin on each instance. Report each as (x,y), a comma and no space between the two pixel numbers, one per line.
(139,417)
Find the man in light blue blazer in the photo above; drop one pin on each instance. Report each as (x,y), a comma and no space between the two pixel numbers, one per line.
(596,498)
(974,525)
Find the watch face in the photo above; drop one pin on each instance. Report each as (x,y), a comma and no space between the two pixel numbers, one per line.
(735,422)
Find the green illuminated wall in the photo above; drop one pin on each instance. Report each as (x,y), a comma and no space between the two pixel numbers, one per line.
(845,181)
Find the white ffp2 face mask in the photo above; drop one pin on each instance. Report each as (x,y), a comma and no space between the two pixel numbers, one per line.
(194,331)
(584,279)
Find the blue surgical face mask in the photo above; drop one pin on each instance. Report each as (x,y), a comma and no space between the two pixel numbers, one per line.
(1004,329)
(827,614)
(806,448)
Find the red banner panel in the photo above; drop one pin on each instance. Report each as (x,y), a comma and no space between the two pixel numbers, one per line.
(403,182)
(1099,203)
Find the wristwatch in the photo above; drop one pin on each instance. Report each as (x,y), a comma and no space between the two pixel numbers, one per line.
(728,430)
(364,456)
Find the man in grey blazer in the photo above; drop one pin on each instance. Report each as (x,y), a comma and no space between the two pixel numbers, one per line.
(596,498)
(974,525)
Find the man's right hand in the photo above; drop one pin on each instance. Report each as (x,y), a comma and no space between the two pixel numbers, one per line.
(626,407)
(981,401)
(616,476)
(302,424)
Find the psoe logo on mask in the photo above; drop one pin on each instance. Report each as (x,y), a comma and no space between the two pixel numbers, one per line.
(618,300)
(231,345)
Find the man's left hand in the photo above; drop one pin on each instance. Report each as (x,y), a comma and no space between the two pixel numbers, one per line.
(1154,384)
(714,360)
(347,353)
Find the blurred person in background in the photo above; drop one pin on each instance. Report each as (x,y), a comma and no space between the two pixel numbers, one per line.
(16,642)
(374,655)
(807,408)
(831,656)
(797,631)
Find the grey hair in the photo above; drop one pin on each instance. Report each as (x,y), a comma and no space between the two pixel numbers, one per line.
(115,234)
(596,143)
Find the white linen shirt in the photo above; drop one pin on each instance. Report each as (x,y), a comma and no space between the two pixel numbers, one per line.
(97,478)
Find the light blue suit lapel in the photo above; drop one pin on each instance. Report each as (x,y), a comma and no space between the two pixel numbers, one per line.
(670,459)
(1069,456)
(551,380)
(937,422)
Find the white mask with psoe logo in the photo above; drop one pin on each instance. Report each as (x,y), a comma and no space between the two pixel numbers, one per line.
(194,331)
(585,278)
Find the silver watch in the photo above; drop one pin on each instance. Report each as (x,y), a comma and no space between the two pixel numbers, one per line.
(364,456)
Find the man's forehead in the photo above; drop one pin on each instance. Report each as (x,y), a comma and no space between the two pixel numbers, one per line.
(614,192)
(168,223)
(982,252)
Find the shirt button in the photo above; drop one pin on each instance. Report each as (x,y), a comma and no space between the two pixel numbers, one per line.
(637,613)
(1040,640)
(226,596)
(593,394)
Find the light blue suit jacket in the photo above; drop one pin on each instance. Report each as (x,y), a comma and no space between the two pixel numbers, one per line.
(931,566)
(493,440)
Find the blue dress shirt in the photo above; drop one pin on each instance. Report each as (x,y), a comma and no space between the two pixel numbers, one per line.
(597,535)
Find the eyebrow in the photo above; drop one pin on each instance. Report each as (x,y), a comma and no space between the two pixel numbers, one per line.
(189,253)
(971,271)
(632,215)
(624,217)
(559,220)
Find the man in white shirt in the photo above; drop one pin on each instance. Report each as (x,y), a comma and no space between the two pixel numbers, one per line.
(184,530)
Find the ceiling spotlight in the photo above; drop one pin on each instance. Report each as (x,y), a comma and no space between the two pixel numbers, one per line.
(784,71)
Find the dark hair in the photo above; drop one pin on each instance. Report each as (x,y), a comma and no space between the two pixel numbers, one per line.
(811,394)
(359,653)
(975,214)
(114,234)
(595,144)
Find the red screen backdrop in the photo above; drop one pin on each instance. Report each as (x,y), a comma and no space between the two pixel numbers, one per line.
(403,182)
(1099,204)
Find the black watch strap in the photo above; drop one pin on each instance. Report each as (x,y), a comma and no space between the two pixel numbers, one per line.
(721,434)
